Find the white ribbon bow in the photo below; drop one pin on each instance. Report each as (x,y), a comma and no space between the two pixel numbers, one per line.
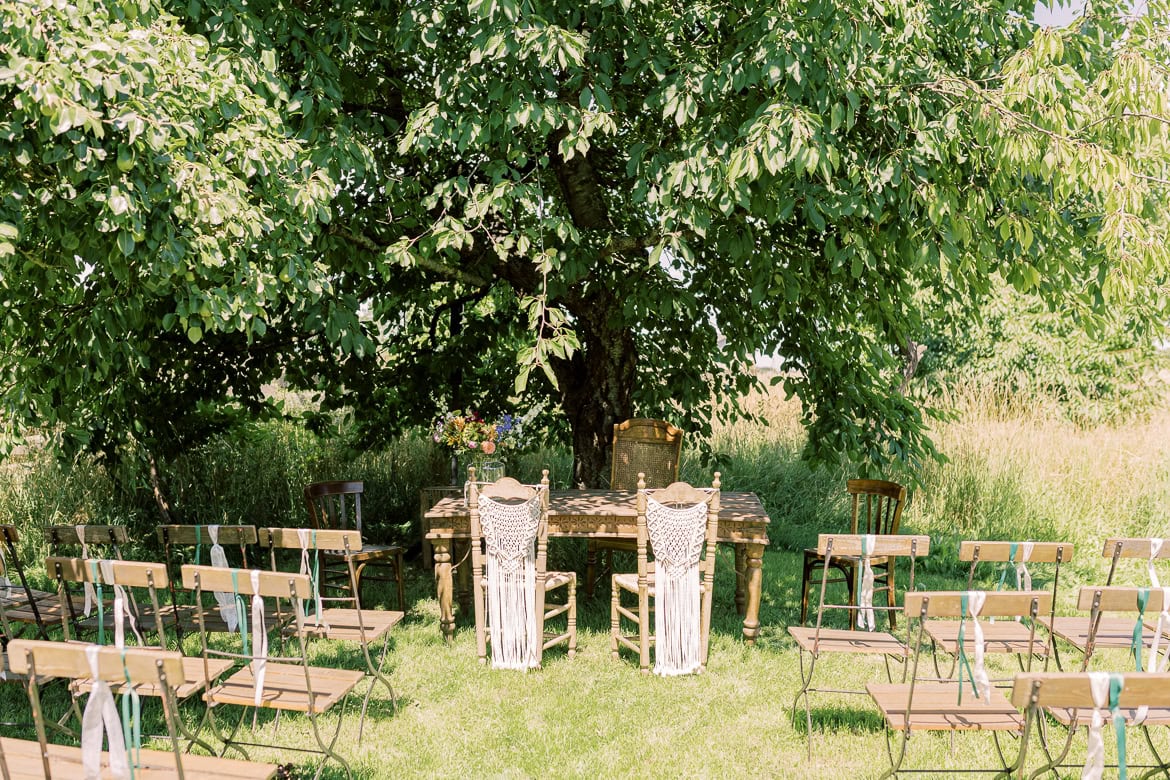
(5,583)
(90,593)
(1095,756)
(225,600)
(980,678)
(1152,664)
(865,616)
(303,535)
(259,638)
(121,607)
(99,720)
(1023,576)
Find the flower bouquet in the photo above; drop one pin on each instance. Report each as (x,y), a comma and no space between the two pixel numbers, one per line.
(476,441)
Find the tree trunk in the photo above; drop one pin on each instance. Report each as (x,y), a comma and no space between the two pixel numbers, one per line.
(596,388)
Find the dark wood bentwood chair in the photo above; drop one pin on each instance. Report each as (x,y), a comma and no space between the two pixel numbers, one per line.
(880,504)
(335,505)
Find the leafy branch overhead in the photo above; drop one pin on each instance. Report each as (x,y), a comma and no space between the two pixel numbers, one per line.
(617,205)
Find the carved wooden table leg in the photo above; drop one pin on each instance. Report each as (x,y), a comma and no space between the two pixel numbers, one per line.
(755,578)
(441,549)
(740,578)
(463,574)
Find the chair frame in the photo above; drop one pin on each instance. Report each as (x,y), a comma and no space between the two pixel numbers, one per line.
(676,493)
(291,588)
(198,536)
(624,475)
(32,600)
(884,504)
(319,498)
(509,488)
(936,604)
(822,640)
(381,622)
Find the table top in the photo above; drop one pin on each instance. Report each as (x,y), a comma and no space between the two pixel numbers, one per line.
(607,513)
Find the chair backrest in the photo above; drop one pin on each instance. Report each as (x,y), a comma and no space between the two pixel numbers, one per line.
(997,603)
(200,536)
(509,492)
(335,504)
(678,495)
(1116,548)
(1073,690)
(876,506)
(831,546)
(647,447)
(94,541)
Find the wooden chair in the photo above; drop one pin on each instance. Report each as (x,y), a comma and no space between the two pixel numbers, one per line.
(883,503)
(675,524)
(949,705)
(350,623)
(112,575)
(510,577)
(22,605)
(134,669)
(1109,631)
(109,539)
(176,539)
(267,681)
(1071,697)
(819,639)
(640,447)
(334,505)
(1010,636)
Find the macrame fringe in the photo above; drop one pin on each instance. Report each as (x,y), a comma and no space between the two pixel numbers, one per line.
(677,630)
(511,592)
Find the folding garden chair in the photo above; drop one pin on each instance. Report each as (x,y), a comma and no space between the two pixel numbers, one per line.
(350,623)
(111,623)
(970,703)
(1110,632)
(108,539)
(677,527)
(1004,636)
(1096,698)
(133,670)
(267,681)
(22,605)
(223,618)
(817,640)
(510,577)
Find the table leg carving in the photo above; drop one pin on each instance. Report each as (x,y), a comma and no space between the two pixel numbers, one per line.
(755,578)
(441,549)
(740,578)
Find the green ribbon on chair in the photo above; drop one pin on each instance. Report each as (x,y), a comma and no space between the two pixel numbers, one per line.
(101,609)
(1012,550)
(1143,598)
(1116,682)
(198,542)
(132,721)
(241,611)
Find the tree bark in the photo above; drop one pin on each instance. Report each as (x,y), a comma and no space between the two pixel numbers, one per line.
(597,387)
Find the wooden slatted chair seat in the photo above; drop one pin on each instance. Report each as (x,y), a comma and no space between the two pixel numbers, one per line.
(342,625)
(1006,636)
(284,688)
(194,672)
(845,640)
(23,758)
(936,707)
(1112,633)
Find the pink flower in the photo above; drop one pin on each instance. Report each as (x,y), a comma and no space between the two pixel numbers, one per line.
(471,445)
(488,447)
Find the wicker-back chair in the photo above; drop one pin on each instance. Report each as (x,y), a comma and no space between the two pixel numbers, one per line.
(650,448)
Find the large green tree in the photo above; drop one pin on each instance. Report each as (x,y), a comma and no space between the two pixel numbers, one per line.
(616,205)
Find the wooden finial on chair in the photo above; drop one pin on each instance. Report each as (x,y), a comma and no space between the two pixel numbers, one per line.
(641,480)
(544,477)
(716,483)
(471,474)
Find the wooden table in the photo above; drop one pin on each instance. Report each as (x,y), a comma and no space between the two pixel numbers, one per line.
(611,514)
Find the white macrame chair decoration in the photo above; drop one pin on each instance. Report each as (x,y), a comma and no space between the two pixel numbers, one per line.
(674,526)
(509,572)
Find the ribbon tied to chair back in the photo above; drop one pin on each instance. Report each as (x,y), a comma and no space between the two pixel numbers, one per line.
(103,572)
(510,532)
(970,605)
(308,539)
(87,587)
(1106,691)
(676,536)
(228,602)
(865,614)
(100,721)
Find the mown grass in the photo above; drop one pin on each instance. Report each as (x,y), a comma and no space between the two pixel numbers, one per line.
(1009,476)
